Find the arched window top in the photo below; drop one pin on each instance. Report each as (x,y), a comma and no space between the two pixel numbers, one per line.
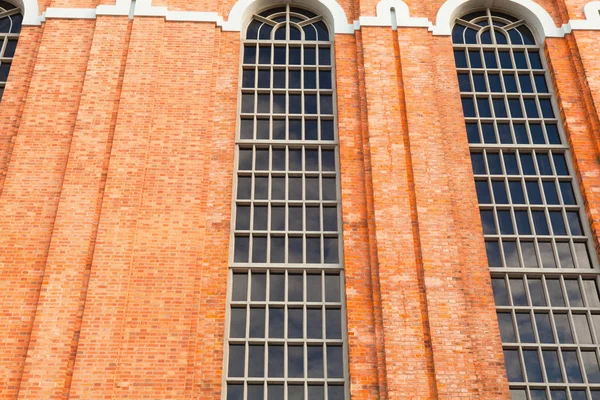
(11,18)
(287,23)
(488,27)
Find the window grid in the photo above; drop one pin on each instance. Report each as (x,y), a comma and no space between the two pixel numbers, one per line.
(543,267)
(10,25)
(286,230)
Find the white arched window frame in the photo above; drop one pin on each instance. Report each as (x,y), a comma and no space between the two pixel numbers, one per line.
(11,18)
(539,245)
(286,329)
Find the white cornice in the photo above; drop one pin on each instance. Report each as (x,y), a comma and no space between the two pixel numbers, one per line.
(536,15)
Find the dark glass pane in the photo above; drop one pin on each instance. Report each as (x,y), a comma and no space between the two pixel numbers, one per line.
(505,222)
(532,366)
(563,328)
(337,393)
(558,224)
(278,188)
(582,328)
(540,84)
(535,60)
(479,81)
(313,250)
(295,362)
(547,254)
(276,324)
(525,327)
(236,360)
(332,288)
(264,79)
(495,83)
(259,284)
(537,135)
(550,192)
(513,366)
(241,249)
(531,108)
(483,193)
(325,80)
(335,362)
(329,191)
(311,131)
(277,287)
(486,37)
(295,189)
(315,361)
(539,221)
(295,249)
(558,395)
(310,54)
(240,287)
(500,293)
(314,323)
(235,391)
(518,292)
(538,394)
(500,195)
(265,32)
(560,163)
(487,221)
(515,108)
(295,55)
(510,83)
(256,361)
(331,255)
(257,322)
(516,192)
(264,55)
(590,362)
(248,78)
(494,164)
(552,366)
(275,363)
(505,60)
(295,392)
(500,38)
(475,59)
(525,83)
(295,323)
(483,106)
(511,256)
(520,59)
(573,293)
(324,56)
(552,132)
(478,163)
(546,107)
(326,104)
(457,33)
(473,133)
(333,318)
(464,82)
(460,59)
(242,218)
(468,107)
(529,257)
(256,392)
(261,188)
(510,163)
(572,366)
(238,323)
(533,192)
(259,249)
(249,54)
(295,105)
(544,328)
(295,287)
(500,111)
(279,78)
(567,193)
(471,37)
(544,165)
(523,226)
(327,132)
(555,293)
(316,392)
(330,219)
(507,332)
(493,254)
(521,133)
(490,61)
(528,38)
(313,219)
(264,106)
(489,135)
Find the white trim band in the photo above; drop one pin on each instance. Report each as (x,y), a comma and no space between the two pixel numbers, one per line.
(241,12)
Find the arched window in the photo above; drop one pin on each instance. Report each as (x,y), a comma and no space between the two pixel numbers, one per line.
(539,248)
(11,18)
(286,331)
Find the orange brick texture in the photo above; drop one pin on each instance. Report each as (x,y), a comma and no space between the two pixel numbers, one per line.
(116,176)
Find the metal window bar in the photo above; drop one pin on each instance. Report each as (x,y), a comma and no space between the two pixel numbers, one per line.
(538,241)
(286,335)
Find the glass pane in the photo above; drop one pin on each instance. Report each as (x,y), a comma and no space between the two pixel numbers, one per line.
(513,366)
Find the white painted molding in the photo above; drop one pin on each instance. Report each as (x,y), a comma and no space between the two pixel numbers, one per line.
(242,11)
(384,16)
(536,16)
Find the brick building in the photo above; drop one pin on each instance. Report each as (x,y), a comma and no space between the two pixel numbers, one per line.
(311,199)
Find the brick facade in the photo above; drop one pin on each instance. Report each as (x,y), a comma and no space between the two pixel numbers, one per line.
(116,174)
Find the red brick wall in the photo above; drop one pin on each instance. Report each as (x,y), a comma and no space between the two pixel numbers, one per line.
(116,173)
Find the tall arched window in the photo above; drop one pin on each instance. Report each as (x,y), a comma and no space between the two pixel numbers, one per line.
(286,327)
(11,18)
(540,254)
